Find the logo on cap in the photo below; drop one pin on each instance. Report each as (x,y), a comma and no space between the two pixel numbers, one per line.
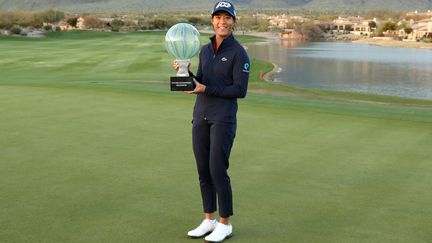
(223,5)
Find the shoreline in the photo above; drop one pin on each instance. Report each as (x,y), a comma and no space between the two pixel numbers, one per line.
(370,41)
(267,35)
(394,43)
(268,76)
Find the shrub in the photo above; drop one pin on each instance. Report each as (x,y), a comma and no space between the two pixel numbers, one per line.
(52,16)
(159,24)
(389,26)
(116,24)
(311,32)
(198,20)
(48,28)
(16,30)
(91,22)
(72,21)
(408,30)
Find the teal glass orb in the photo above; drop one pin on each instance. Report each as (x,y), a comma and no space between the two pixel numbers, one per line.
(182,41)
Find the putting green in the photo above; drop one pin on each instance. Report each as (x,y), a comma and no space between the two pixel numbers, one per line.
(84,159)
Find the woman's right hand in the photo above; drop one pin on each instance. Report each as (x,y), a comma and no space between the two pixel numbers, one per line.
(175,65)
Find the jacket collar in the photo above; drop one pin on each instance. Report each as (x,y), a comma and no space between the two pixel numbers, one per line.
(226,42)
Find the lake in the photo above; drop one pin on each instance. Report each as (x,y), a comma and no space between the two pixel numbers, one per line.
(345,66)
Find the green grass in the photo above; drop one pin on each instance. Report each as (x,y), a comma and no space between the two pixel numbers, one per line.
(77,56)
(86,157)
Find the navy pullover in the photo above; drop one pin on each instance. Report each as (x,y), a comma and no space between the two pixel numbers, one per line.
(225,74)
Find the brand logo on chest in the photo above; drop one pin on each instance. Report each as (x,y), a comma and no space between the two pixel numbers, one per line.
(224,59)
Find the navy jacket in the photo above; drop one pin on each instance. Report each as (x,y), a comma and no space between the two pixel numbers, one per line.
(225,75)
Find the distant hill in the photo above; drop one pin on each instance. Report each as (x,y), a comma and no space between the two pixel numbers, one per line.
(161,5)
(406,5)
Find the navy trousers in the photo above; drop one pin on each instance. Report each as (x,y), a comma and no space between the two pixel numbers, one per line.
(212,142)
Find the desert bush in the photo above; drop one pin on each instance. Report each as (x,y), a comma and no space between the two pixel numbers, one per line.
(48,28)
(72,21)
(52,16)
(116,24)
(311,32)
(91,22)
(16,30)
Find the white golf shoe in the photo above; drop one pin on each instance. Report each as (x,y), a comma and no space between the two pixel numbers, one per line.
(220,233)
(205,227)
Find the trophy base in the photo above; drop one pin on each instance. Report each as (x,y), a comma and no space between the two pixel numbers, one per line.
(182,83)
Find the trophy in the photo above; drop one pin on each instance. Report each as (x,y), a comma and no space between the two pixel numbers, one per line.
(182,42)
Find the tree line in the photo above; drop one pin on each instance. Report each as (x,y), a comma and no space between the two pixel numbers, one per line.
(248,21)
(11,18)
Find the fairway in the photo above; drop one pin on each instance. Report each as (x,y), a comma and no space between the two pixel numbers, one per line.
(94,148)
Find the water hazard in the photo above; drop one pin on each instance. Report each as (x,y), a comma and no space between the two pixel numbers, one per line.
(405,72)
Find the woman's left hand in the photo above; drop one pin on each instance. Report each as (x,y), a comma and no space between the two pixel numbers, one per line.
(199,88)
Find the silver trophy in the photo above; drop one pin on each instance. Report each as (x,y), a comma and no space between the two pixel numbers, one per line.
(182,41)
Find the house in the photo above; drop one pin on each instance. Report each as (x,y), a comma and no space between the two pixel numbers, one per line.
(420,14)
(362,28)
(81,23)
(64,26)
(278,21)
(341,24)
(282,21)
(291,34)
(420,29)
(429,27)
(356,25)
(391,34)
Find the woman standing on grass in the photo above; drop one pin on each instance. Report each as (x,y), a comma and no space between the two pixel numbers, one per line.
(222,77)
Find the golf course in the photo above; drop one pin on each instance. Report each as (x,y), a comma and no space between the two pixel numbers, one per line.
(95,148)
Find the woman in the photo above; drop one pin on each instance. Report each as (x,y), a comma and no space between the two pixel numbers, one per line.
(222,77)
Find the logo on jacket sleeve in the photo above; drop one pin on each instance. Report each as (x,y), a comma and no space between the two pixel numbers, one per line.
(246,67)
